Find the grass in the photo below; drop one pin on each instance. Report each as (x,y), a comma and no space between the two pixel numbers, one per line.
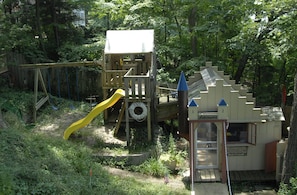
(37,163)
(34,164)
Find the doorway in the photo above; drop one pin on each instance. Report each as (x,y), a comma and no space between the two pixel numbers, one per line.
(206,146)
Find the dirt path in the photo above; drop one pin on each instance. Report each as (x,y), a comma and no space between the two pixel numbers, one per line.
(90,132)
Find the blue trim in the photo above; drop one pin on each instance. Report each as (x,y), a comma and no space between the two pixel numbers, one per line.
(192,103)
(222,102)
(182,83)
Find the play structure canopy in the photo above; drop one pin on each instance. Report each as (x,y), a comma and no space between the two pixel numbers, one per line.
(129,41)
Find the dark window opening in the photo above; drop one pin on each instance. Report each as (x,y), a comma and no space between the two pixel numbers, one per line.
(237,132)
(241,133)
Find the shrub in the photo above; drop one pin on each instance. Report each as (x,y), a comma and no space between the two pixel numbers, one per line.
(153,167)
(173,157)
(288,189)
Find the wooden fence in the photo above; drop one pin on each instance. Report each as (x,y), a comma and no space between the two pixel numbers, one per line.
(75,83)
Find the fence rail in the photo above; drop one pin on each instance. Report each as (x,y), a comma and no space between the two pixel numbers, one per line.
(137,86)
(113,78)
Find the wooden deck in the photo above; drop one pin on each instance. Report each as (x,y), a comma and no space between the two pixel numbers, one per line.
(214,175)
(208,175)
(256,176)
(167,110)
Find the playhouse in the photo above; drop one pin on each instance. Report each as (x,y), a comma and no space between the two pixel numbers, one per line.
(129,63)
(227,131)
(129,84)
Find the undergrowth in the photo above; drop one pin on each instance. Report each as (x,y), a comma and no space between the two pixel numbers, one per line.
(36,163)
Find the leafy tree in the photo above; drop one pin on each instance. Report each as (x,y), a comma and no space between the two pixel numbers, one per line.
(37,28)
(290,160)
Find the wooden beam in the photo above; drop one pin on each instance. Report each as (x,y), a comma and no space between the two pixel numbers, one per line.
(127,120)
(119,121)
(41,102)
(40,77)
(38,103)
(63,64)
(35,93)
(149,122)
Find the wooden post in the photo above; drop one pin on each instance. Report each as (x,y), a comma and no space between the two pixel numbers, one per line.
(127,120)
(224,170)
(192,156)
(39,103)
(149,125)
(35,93)
(119,121)
(182,89)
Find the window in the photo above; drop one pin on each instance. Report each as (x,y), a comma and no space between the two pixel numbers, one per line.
(241,133)
(80,18)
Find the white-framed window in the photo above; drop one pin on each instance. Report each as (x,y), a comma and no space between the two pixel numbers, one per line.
(80,17)
(242,133)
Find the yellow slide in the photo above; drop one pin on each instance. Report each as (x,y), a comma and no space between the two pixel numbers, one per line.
(97,110)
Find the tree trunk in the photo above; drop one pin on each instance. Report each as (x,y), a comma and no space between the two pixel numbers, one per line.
(38,25)
(290,159)
(241,66)
(192,19)
(55,22)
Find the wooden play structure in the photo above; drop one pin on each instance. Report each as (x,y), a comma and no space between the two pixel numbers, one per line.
(130,64)
(227,132)
(219,118)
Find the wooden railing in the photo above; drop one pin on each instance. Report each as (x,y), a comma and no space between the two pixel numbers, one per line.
(137,86)
(166,94)
(113,78)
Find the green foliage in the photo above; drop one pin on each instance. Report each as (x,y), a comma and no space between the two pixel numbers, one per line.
(173,158)
(241,37)
(152,167)
(191,65)
(72,53)
(38,30)
(138,139)
(164,76)
(16,106)
(32,162)
(37,164)
(288,189)
(6,182)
